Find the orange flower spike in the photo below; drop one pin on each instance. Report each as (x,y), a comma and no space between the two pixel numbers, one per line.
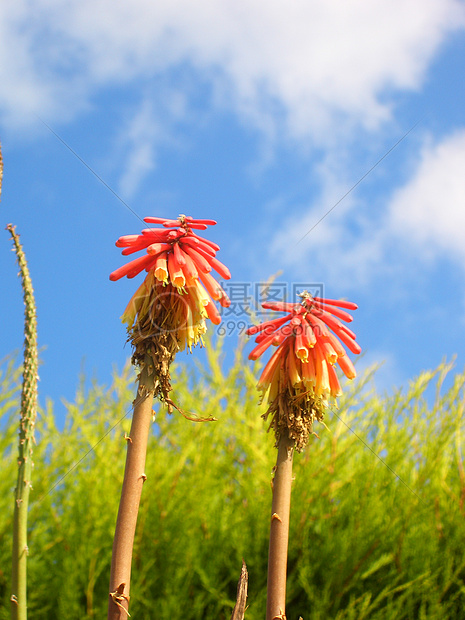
(170,309)
(314,346)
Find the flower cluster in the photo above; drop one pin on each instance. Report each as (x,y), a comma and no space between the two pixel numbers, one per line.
(167,312)
(301,375)
(179,265)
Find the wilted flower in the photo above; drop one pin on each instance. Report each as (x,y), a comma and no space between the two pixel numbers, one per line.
(168,310)
(300,375)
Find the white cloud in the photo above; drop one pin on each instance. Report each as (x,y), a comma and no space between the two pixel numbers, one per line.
(344,246)
(147,129)
(423,221)
(316,65)
(429,211)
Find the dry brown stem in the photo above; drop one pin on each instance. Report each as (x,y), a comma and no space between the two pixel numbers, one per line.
(134,478)
(279,530)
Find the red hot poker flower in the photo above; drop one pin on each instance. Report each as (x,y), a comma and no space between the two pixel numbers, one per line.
(301,375)
(168,310)
(176,256)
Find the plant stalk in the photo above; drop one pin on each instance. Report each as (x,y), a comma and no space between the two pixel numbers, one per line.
(26,440)
(134,478)
(279,531)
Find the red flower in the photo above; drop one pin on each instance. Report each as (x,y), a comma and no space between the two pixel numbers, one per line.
(178,263)
(307,349)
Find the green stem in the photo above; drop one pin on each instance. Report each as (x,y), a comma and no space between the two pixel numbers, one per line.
(134,478)
(26,440)
(279,531)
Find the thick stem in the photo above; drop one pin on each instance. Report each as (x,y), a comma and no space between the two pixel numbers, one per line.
(279,531)
(134,478)
(26,440)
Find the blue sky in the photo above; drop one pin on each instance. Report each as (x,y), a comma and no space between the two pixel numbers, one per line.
(261,116)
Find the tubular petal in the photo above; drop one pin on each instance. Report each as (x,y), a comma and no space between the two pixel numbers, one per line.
(334,382)
(161,268)
(213,313)
(350,344)
(221,269)
(157,234)
(137,263)
(308,334)
(268,371)
(337,346)
(123,242)
(200,262)
(308,370)
(213,245)
(171,223)
(261,346)
(348,331)
(345,316)
(136,247)
(268,326)
(157,248)
(301,350)
(197,226)
(192,220)
(294,375)
(179,255)
(319,328)
(282,306)
(321,367)
(328,351)
(331,321)
(347,367)
(285,330)
(176,275)
(157,220)
(189,267)
(337,302)
(214,289)
(200,247)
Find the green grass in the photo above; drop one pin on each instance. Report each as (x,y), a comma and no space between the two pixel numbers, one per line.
(364,543)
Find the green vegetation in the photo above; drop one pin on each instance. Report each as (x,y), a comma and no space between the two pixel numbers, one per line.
(362,544)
